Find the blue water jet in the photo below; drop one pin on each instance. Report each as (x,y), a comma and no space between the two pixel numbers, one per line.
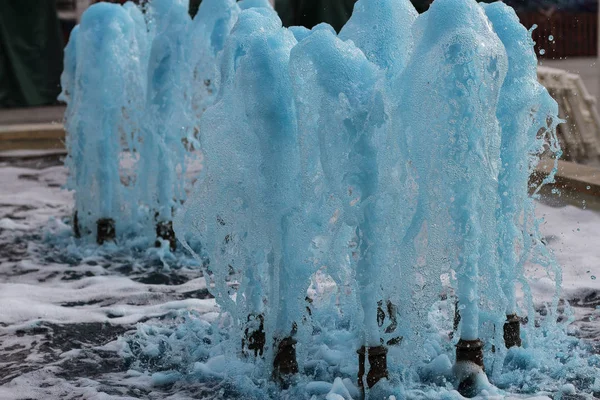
(167,124)
(248,196)
(100,84)
(523,110)
(352,186)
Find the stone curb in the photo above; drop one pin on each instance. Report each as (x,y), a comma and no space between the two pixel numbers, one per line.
(32,136)
(571,176)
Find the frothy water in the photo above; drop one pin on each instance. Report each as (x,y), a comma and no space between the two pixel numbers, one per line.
(363,192)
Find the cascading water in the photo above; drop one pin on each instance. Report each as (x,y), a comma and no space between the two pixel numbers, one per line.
(167,125)
(355,189)
(214,21)
(130,79)
(456,156)
(101,85)
(523,112)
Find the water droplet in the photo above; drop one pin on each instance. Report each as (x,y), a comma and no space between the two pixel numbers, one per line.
(593,277)
(542,51)
(588,187)
(550,38)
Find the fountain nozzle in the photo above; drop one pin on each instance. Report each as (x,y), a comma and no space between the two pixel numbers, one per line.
(285,362)
(254,335)
(76,230)
(469,351)
(164,231)
(106,230)
(512,331)
(378,364)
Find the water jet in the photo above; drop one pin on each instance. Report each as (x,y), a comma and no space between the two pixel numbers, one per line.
(368,173)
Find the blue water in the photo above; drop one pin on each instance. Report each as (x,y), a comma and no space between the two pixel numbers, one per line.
(354,189)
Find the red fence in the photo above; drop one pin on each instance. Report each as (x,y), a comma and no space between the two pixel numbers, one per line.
(573,34)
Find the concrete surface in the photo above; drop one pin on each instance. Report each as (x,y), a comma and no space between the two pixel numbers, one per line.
(33,115)
(588,68)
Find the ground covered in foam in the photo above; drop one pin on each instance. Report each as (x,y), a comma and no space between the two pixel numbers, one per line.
(79,321)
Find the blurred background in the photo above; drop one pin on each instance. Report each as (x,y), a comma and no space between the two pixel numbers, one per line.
(33,34)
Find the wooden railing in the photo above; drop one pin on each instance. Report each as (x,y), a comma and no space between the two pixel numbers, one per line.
(563,34)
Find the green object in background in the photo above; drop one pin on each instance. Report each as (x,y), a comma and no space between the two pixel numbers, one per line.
(31,53)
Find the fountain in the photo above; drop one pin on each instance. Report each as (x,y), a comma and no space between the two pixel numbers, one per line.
(522,111)
(215,22)
(354,187)
(167,122)
(135,164)
(101,85)
(339,77)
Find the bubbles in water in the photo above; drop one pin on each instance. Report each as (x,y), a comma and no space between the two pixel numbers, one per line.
(551,38)
(272,204)
(593,277)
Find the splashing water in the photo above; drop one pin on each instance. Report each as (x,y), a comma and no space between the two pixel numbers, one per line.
(355,189)
(101,85)
(166,125)
(131,79)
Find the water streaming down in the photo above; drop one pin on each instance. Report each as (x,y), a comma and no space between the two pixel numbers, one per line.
(209,32)
(247,202)
(381,29)
(167,118)
(343,91)
(341,175)
(450,141)
(357,158)
(528,117)
(523,112)
(410,273)
(143,38)
(136,82)
(74,140)
(101,84)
